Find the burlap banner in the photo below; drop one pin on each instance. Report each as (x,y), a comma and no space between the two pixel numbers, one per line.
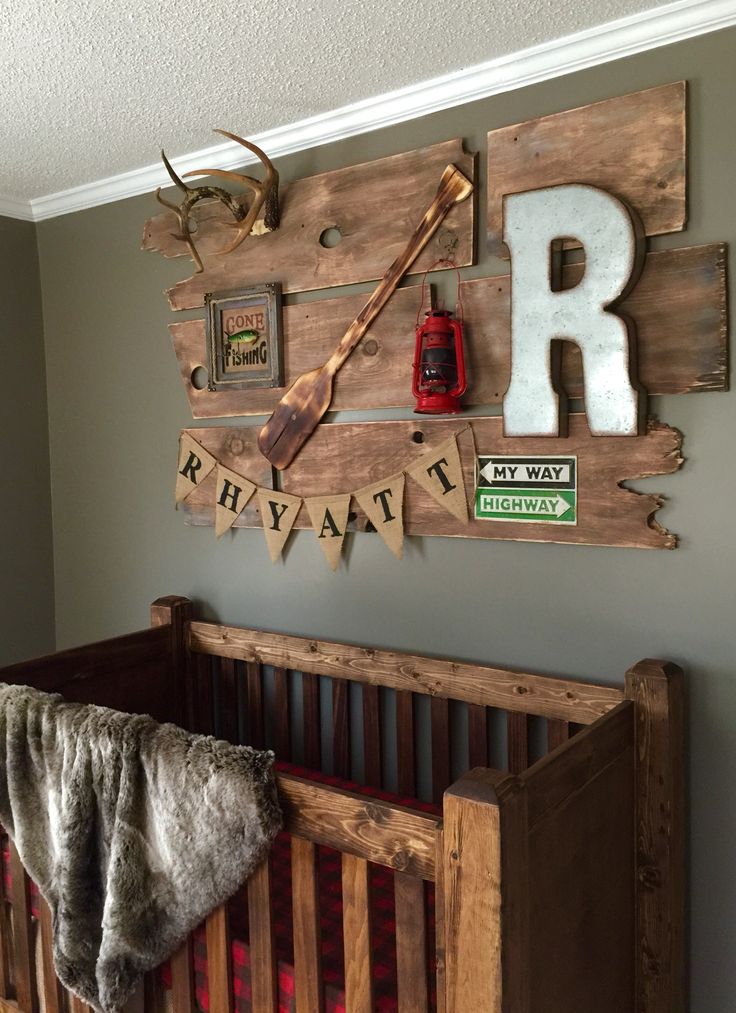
(195,464)
(278,513)
(439,472)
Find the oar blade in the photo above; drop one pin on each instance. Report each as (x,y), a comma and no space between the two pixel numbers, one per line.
(295,417)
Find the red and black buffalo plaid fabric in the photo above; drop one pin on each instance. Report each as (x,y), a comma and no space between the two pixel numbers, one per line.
(383,928)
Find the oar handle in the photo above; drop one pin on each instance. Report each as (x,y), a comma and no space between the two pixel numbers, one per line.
(453,188)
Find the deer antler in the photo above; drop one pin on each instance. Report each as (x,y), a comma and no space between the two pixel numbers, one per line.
(266,196)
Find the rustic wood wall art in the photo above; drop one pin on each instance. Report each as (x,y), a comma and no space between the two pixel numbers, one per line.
(299,411)
(374,206)
(681,293)
(632,146)
(345,457)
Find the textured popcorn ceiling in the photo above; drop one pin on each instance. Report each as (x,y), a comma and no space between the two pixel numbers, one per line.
(93,88)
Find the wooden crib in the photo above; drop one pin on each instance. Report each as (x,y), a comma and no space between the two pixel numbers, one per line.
(552,859)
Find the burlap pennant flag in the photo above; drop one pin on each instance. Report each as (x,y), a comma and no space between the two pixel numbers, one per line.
(440,472)
(383,502)
(278,513)
(232,493)
(329,516)
(195,464)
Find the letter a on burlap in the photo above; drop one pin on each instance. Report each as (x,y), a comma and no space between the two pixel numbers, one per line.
(278,512)
(329,516)
(383,502)
(440,472)
(195,464)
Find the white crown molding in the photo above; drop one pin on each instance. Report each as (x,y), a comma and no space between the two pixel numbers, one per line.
(12,207)
(651,29)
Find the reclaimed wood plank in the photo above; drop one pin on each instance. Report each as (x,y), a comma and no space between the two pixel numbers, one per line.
(219,976)
(411,944)
(264,968)
(657,690)
(372,752)
(680,292)
(405,743)
(375,207)
(360,453)
(356,928)
(312,723)
(633,146)
(309,982)
(380,832)
(375,372)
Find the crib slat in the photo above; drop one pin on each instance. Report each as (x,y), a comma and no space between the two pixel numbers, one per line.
(411,943)
(440,719)
(204,701)
(439,923)
(477,736)
(310,707)
(218,961)
(5,928)
(182,979)
(228,701)
(255,704)
(282,714)
(405,743)
(25,964)
(356,919)
(372,735)
(263,963)
(340,729)
(53,992)
(557,733)
(307,937)
(517,728)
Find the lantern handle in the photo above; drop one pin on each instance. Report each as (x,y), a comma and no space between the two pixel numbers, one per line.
(443,262)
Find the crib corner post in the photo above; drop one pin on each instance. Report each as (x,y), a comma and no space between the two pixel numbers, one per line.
(175,612)
(657,690)
(485,885)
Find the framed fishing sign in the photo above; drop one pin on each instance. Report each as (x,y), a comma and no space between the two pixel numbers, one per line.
(244,338)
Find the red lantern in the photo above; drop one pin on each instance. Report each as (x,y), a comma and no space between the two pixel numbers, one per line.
(439,367)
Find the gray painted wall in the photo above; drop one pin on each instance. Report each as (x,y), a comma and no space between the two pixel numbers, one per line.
(116,405)
(26,562)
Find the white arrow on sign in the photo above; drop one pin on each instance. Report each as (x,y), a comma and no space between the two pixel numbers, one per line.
(514,503)
(499,472)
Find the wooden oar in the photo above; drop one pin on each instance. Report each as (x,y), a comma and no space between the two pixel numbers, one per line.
(298,412)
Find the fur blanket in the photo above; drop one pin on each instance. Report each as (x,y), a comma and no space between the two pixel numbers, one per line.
(133,831)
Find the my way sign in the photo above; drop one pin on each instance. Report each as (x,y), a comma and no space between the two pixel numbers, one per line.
(528,489)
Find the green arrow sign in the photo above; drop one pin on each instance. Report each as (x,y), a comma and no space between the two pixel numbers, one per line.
(536,490)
